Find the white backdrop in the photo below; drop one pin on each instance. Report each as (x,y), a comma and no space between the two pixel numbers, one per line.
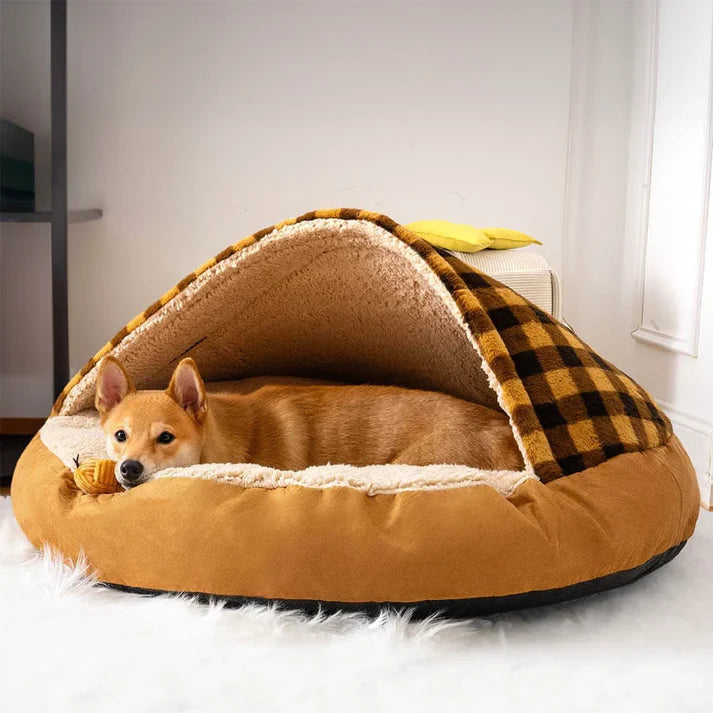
(194,124)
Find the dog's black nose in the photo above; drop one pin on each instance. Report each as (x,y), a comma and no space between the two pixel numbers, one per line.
(131,469)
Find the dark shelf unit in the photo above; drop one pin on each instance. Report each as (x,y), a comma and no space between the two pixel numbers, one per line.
(59,216)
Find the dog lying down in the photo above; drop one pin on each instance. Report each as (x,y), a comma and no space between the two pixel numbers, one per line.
(291,424)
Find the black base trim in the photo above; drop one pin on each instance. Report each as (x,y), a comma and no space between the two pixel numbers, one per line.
(455,608)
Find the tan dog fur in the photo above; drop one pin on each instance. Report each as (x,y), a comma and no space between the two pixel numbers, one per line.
(291,424)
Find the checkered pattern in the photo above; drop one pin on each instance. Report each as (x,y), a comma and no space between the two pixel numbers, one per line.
(572,409)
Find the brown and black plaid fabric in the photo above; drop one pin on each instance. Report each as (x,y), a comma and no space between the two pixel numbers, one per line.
(557,388)
(572,409)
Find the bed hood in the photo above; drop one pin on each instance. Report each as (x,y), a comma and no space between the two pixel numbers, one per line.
(352,295)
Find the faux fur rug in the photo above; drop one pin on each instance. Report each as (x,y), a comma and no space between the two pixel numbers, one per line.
(69,645)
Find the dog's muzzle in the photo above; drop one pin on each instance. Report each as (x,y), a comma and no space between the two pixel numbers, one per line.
(130,472)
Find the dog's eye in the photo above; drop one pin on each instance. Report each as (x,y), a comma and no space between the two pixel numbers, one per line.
(120,436)
(165,437)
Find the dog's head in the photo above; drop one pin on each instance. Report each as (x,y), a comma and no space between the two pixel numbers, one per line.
(147,431)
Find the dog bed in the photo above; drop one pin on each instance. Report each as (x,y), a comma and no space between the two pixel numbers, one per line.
(607,493)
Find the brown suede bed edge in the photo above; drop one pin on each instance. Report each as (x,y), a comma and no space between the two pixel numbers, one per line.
(342,545)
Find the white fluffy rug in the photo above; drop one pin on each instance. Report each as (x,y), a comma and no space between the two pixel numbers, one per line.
(67,645)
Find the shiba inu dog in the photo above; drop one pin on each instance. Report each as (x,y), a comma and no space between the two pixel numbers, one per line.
(291,424)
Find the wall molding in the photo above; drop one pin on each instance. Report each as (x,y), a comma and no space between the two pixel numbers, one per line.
(696,434)
(647,150)
(660,338)
(687,341)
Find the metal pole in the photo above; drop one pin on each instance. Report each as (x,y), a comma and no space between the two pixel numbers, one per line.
(60,319)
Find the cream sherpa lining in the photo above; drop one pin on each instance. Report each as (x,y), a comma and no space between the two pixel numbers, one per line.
(287,305)
(81,436)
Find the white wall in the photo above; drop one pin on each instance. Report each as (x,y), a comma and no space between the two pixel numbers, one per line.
(25,290)
(639,247)
(194,124)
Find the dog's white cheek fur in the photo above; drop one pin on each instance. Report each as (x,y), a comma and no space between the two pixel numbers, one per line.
(185,456)
(188,454)
(111,448)
(113,453)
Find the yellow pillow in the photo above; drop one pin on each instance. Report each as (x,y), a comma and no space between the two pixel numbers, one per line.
(466,238)
(505,239)
(451,236)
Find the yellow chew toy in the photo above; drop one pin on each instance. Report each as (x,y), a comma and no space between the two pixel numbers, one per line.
(96,477)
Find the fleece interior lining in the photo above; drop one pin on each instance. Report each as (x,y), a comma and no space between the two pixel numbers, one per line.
(334,299)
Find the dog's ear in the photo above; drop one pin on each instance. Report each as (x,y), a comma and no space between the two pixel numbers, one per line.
(113,384)
(187,389)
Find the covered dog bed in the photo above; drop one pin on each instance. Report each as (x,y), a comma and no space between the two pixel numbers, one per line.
(607,494)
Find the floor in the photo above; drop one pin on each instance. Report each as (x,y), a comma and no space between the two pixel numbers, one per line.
(78,647)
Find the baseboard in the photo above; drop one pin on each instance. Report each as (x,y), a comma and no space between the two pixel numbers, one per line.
(20,426)
(696,435)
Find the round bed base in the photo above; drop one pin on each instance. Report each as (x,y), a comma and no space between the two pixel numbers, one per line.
(451,608)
